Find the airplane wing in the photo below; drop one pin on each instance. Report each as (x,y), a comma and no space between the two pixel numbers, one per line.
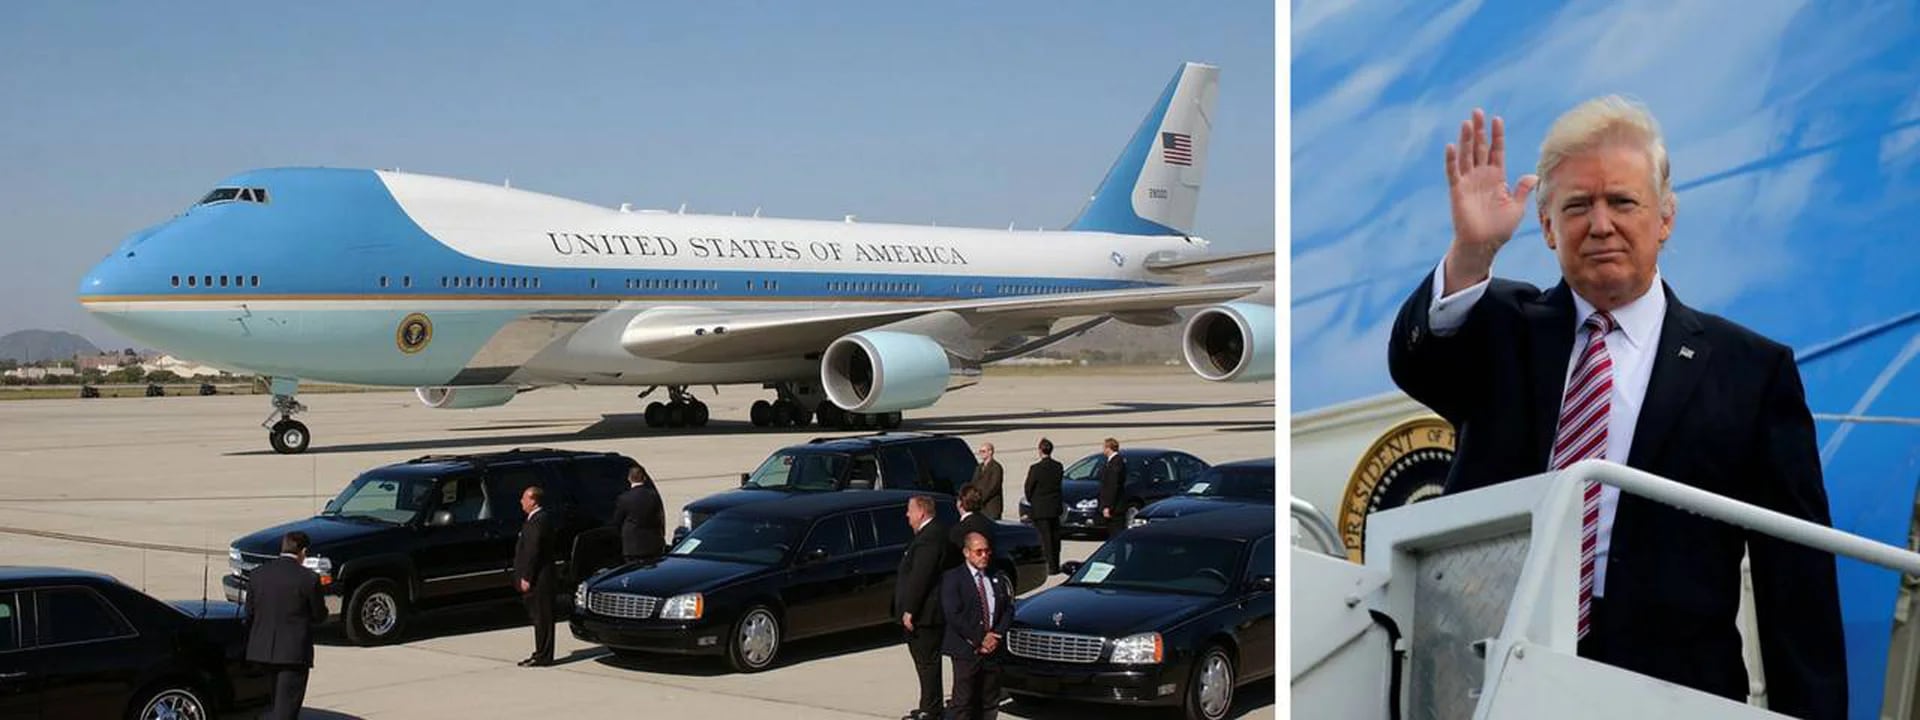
(969,329)
(1216,267)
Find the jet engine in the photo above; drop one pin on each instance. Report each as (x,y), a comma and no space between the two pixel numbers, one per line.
(465,396)
(879,371)
(1230,343)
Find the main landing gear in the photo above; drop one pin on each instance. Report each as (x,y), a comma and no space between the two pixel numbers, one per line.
(680,410)
(287,435)
(790,409)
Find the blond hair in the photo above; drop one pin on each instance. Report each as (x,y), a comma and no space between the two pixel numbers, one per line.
(1599,121)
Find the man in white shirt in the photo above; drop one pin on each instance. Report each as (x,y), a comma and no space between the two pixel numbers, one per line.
(1609,364)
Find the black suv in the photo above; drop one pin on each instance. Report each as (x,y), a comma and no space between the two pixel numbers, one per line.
(80,644)
(440,530)
(936,464)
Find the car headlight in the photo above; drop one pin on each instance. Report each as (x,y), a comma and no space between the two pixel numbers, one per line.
(234,564)
(1087,504)
(320,566)
(1142,649)
(580,595)
(684,607)
(686,519)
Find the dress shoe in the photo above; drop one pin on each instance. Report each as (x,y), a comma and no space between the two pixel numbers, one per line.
(535,662)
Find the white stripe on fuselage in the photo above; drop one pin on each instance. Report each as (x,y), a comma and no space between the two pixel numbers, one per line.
(521,228)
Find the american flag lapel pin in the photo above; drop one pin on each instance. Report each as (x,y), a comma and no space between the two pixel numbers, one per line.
(1686,353)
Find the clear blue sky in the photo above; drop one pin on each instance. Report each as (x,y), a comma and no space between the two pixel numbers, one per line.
(115,116)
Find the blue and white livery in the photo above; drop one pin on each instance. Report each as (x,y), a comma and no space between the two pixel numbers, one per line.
(473,292)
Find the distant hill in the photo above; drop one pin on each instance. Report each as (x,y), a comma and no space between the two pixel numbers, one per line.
(36,345)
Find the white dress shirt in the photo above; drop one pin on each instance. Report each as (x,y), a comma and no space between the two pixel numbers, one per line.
(1631,349)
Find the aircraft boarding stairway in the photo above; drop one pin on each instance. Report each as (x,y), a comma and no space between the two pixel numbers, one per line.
(1466,605)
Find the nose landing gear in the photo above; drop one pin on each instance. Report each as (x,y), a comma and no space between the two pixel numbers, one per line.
(287,435)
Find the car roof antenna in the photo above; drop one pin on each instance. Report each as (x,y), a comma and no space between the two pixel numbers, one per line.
(206,574)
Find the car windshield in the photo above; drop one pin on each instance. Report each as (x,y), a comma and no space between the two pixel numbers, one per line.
(737,538)
(1089,467)
(389,498)
(1162,563)
(803,471)
(1234,483)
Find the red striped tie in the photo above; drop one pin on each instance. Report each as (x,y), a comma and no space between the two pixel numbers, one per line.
(1582,434)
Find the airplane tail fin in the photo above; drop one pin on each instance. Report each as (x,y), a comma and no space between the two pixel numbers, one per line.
(1155,185)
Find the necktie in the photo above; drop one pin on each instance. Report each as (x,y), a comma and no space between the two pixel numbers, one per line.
(1582,434)
(986,617)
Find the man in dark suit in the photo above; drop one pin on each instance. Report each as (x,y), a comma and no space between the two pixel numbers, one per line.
(916,601)
(978,607)
(640,517)
(1113,487)
(1609,364)
(283,603)
(988,477)
(971,520)
(533,573)
(1043,502)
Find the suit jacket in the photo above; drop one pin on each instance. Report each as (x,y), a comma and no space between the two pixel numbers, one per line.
(966,623)
(1043,488)
(1113,482)
(283,603)
(916,588)
(642,521)
(1729,417)
(533,552)
(989,479)
(974,523)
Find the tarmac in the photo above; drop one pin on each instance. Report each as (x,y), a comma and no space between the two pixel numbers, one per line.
(152,490)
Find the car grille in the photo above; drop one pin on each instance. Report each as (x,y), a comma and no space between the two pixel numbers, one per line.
(621,605)
(247,562)
(1056,647)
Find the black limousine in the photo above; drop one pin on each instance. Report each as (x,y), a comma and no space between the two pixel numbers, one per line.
(76,644)
(1176,613)
(753,577)
(1223,486)
(934,464)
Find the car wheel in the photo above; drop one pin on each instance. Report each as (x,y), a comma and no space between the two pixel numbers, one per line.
(755,640)
(169,701)
(1210,688)
(376,612)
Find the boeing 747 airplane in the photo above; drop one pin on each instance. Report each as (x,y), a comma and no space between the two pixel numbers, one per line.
(472,293)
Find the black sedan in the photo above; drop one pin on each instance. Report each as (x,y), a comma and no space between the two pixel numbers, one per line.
(1177,613)
(77,644)
(753,577)
(1152,474)
(1227,485)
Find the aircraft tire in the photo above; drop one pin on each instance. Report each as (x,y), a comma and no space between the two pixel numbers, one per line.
(676,415)
(289,437)
(761,413)
(697,414)
(782,414)
(656,415)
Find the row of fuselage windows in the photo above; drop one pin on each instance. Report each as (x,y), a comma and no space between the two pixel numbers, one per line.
(209,281)
(1033,289)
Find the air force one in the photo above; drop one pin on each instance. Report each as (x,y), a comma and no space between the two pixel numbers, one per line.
(472,293)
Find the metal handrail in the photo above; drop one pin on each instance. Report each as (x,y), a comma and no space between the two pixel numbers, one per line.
(1558,513)
(1318,527)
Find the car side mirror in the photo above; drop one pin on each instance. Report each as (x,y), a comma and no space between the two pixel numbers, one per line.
(813,556)
(1070,567)
(440,518)
(744,477)
(1263,583)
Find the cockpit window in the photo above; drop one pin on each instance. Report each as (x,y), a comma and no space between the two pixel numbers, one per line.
(229,194)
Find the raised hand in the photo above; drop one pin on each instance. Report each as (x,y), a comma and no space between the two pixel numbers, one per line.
(1485,214)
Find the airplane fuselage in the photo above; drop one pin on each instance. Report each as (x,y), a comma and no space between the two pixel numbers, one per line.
(385,278)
